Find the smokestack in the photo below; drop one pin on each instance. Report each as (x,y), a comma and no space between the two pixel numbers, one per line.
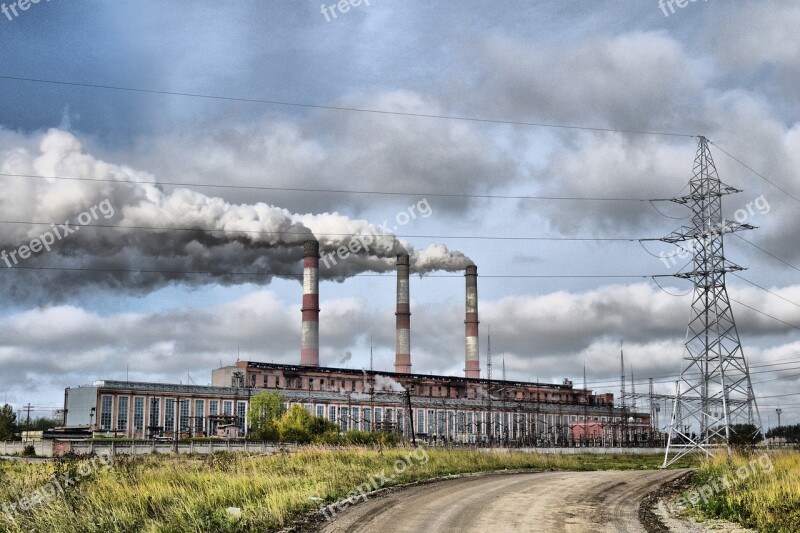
(473,364)
(309,333)
(402,358)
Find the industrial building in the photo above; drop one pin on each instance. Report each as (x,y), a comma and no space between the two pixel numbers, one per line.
(468,409)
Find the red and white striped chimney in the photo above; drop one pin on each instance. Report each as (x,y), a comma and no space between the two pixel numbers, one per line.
(472,368)
(309,332)
(402,358)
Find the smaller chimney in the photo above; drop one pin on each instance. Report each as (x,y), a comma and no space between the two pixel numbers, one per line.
(472,368)
(402,358)
(309,333)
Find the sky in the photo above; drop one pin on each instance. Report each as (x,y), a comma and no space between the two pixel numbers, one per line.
(192,147)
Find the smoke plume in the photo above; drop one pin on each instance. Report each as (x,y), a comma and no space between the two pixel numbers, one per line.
(200,238)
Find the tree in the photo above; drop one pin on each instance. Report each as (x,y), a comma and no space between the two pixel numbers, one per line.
(266,409)
(298,425)
(8,423)
(744,435)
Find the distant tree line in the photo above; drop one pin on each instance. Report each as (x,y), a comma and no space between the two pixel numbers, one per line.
(790,433)
(11,427)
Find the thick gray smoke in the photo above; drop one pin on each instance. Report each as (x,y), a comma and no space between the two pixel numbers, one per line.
(221,242)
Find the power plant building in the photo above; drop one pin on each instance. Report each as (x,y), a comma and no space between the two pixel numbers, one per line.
(468,409)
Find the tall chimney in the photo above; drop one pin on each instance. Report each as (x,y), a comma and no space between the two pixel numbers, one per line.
(402,358)
(309,332)
(473,365)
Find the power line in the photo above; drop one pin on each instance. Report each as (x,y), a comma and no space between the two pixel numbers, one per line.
(768,253)
(766,290)
(765,314)
(342,108)
(318,234)
(748,167)
(300,276)
(332,191)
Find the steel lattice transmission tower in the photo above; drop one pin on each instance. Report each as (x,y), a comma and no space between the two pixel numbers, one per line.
(714,391)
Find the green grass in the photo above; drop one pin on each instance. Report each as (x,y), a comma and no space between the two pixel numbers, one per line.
(764,492)
(177,494)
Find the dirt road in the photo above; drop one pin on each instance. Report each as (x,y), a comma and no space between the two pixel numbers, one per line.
(547,502)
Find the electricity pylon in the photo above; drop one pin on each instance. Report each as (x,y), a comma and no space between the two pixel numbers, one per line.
(714,391)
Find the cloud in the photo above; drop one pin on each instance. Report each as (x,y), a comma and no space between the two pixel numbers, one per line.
(339,150)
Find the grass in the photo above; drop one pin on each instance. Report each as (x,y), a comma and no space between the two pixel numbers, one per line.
(764,492)
(177,494)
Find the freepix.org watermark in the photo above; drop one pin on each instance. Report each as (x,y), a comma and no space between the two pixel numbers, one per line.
(332,12)
(58,485)
(362,242)
(14,9)
(418,457)
(46,240)
(760,205)
(668,6)
(715,486)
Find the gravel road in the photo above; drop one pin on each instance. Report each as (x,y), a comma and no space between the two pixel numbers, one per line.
(548,502)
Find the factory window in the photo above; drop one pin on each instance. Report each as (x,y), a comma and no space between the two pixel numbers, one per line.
(356,418)
(440,391)
(378,417)
(169,414)
(311,384)
(213,411)
(122,413)
(332,413)
(460,423)
(440,423)
(389,415)
(155,413)
(400,421)
(298,383)
(344,416)
(353,385)
(185,404)
(367,419)
(322,384)
(241,413)
(138,413)
(451,423)
(420,421)
(227,407)
(320,411)
(105,412)
(431,422)
(266,381)
(199,416)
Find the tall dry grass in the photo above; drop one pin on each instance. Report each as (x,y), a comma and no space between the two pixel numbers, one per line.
(177,494)
(764,490)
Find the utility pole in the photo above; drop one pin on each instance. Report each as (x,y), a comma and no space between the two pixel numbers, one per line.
(714,391)
(779,411)
(624,425)
(27,409)
(489,355)
(411,418)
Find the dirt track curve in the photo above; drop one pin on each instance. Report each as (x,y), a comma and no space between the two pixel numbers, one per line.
(548,502)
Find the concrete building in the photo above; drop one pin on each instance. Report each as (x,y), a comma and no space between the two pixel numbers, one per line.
(466,409)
